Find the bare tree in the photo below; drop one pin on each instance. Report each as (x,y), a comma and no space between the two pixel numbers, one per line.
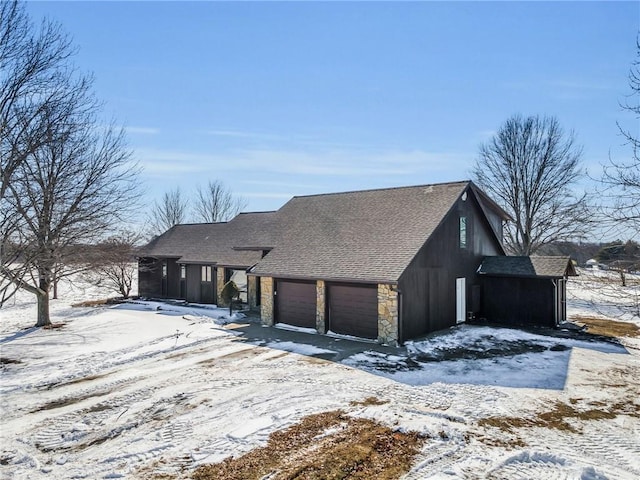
(531,167)
(72,189)
(117,265)
(32,63)
(216,203)
(621,179)
(169,211)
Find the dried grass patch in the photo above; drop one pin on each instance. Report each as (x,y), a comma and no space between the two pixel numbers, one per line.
(54,326)
(325,446)
(556,418)
(606,327)
(368,402)
(100,302)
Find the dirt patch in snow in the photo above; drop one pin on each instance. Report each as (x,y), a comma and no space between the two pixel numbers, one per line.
(54,326)
(607,327)
(369,401)
(64,402)
(100,302)
(8,361)
(560,416)
(327,446)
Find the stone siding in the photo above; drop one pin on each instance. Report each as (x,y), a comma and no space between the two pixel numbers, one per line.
(252,291)
(266,301)
(387,314)
(220,286)
(320,307)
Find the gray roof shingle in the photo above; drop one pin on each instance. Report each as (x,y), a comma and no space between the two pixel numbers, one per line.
(369,235)
(216,242)
(521,266)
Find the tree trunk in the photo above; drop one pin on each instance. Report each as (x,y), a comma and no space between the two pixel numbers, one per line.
(55,289)
(43,309)
(42,294)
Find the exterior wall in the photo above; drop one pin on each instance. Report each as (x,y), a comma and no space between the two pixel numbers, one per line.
(428,285)
(388,314)
(266,301)
(149,277)
(193,283)
(252,292)
(173,278)
(220,273)
(519,301)
(321,307)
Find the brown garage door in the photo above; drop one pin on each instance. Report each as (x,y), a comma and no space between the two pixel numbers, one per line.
(353,310)
(296,303)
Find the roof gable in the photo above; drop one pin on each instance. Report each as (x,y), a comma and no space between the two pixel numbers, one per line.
(369,235)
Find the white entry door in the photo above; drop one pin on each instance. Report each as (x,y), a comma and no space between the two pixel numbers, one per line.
(461,299)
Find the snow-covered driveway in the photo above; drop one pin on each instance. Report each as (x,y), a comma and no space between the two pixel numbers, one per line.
(131,390)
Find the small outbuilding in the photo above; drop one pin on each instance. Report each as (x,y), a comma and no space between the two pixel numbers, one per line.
(525,290)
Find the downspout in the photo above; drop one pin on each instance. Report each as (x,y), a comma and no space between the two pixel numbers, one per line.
(555,301)
(400,336)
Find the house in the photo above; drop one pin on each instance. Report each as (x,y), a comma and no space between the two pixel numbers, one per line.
(388,264)
(525,290)
(193,261)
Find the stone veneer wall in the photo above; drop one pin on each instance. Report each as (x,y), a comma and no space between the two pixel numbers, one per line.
(320,307)
(219,286)
(387,314)
(252,291)
(266,301)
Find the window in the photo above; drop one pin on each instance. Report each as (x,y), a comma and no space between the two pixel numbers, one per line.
(206,273)
(183,272)
(164,269)
(463,232)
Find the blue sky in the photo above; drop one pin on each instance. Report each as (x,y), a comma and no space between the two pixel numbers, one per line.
(278,99)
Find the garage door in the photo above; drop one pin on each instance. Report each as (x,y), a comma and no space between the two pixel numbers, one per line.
(296,303)
(353,310)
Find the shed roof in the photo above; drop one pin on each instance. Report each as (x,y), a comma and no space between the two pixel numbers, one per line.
(369,235)
(522,266)
(216,242)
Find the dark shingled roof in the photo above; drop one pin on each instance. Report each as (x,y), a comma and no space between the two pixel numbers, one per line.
(369,235)
(216,242)
(550,267)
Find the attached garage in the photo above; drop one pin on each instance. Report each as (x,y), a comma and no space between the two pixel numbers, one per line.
(295,303)
(353,309)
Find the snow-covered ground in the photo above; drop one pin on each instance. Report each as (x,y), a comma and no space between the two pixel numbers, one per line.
(130,390)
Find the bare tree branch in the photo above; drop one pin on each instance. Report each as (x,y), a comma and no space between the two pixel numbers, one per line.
(32,62)
(169,211)
(216,203)
(530,168)
(75,184)
(620,182)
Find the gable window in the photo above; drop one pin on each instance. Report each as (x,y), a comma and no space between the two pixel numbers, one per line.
(463,232)
(206,273)
(164,269)
(183,272)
